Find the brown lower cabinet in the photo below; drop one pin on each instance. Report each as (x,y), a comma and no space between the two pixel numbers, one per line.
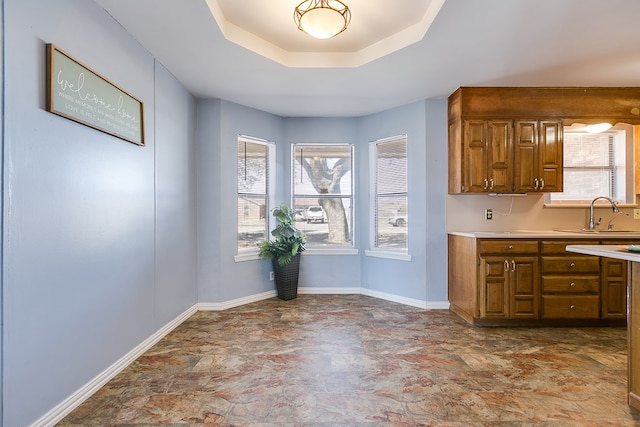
(535,282)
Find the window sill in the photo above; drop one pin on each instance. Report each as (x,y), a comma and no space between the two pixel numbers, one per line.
(246,256)
(250,256)
(388,254)
(330,251)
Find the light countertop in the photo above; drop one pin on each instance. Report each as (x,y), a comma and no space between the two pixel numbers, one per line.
(535,234)
(609,251)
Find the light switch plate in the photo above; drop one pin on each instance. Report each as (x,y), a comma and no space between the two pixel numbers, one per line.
(636,213)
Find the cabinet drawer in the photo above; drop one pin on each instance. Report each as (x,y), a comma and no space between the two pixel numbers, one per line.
(570,264)
(558,246)
(570,306)
(505,247)
(570,284)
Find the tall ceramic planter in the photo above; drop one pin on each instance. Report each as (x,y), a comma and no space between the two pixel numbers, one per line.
(287,278)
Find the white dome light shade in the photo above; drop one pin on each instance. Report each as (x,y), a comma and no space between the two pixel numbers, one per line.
(597,128)
(322,19)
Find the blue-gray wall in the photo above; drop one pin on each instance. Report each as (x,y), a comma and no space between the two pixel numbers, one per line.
(424,277)
(219,124)
(105,242)
(99,234)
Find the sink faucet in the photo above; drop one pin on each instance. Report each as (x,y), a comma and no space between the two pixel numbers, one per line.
(592,223)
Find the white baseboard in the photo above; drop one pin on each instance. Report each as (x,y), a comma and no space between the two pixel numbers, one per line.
(427,305)
(72,402)
(329,290)
(217,306)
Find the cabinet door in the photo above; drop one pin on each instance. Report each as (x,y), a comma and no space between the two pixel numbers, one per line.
(494,287)
(475,176)
(614,288)
(538,156)
(550,155)
(524,287)
(526,156)
(500,156)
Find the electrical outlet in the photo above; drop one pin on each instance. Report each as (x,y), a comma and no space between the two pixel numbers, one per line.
(636,213)
(272,276)
(488,214)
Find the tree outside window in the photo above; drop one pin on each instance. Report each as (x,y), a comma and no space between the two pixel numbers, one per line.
(322,192)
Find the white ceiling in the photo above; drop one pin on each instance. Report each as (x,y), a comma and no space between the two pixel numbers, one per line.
(266,27)
(249,52)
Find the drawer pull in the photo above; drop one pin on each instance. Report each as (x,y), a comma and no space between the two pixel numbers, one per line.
(573,264)
(572,284)
(571,307)
(510,247)
(513,266)
(506,265)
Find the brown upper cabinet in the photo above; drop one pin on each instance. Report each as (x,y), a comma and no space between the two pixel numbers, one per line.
(510,140)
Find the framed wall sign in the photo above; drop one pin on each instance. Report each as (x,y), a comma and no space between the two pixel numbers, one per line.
(80,94)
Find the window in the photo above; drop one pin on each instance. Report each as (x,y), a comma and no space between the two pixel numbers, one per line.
(254,181)
(389,193)
(323,193)
(596,164)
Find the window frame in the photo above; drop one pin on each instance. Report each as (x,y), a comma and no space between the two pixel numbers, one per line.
(401,254)
(247,254)
(311,249)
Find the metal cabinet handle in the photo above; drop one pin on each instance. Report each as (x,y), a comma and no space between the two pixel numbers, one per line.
(571,307)
(535,183)
(510,247)
(491,184)
(513,266)
(572,284)
(573,264)
(506,265)
(541,183)
(486,184)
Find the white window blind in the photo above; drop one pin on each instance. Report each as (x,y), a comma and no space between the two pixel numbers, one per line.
(391,197)
(253,192)
(594,165)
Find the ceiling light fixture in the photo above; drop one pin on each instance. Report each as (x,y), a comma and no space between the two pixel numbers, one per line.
(597,128)
(322,19)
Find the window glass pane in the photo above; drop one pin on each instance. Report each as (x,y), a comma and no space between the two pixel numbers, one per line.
(252,167)
(322,169)
(252,221)
(325,222)
(391,222)
(391,167)
(585,184)
(322,190)
(587,150)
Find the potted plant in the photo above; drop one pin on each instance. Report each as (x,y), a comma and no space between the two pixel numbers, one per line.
(284,252)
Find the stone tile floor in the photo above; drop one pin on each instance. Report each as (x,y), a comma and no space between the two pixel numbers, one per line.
(352,360)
